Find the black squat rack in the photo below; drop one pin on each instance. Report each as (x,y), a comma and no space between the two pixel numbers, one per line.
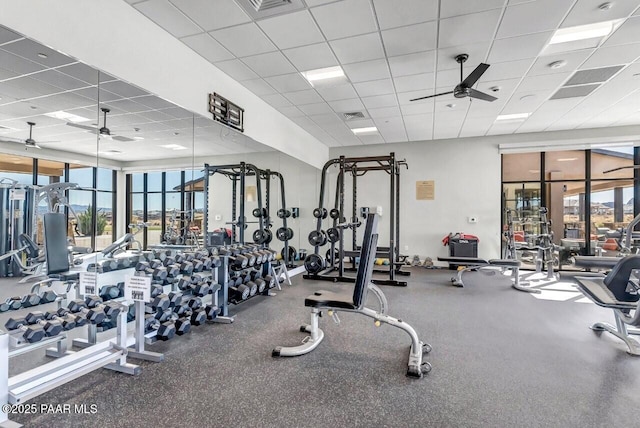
(324,268)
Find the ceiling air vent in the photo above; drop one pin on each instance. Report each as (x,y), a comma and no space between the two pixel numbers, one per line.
(573,92)
(594,75)
(260,5)
(353,115)
(264,8)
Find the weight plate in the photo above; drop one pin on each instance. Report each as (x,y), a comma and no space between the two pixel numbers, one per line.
(320,213)
(314,263)
(336,253)
(282,213)
(282,234)
(334,213)
(261,236)
(293,253)
(256,212)
(289,233)
(333,234)
(317,238)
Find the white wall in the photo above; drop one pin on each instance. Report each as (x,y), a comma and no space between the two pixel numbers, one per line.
(467,183)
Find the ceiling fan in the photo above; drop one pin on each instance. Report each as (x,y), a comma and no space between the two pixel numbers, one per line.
(29,142)
(464,88)
(104,131)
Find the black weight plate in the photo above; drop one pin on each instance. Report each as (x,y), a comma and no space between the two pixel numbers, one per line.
(317,238)
(293,253)
(289,233)
(256,212)
(313,263)
(262,236)
(334,213)
(333,234)
(282,234)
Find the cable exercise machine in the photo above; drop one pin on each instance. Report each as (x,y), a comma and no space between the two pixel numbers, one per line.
(317,266)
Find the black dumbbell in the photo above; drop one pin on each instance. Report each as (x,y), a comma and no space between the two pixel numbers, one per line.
(157,271)
(198,316)
(216,262)
(160,302)
(163,315)
(255,274)
(29,300)
(68,321)
(194,303)
(50,327)
(169,261)
(30,333)
(173,270)
(211,311)
(261,283)
(80,321)
(198,265)
(182,310)
(94,316)
(11,304)
(175,298)
(109,292)
(253,288)
(239,293)
(183,326)
(186,267)
(184,283)
(164,330)
(271,282)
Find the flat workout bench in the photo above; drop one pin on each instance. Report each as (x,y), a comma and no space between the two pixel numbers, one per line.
(471,263)
(334,302)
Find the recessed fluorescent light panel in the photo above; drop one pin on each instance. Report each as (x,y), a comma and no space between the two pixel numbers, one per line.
(515,116)
(566,159)
(366,130)
(323,76)
(583,32)
(69,117)
(173,147)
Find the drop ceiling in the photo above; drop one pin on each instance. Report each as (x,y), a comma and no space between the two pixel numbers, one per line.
(36,80)
(393,51)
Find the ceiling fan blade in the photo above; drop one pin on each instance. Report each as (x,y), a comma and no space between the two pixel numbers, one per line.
(49,142)
(431,96)
(475,75)
(10,140)
(480,95)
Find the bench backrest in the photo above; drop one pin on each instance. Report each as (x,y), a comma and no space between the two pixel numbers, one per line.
(55,243)
(618,279)
(367,257)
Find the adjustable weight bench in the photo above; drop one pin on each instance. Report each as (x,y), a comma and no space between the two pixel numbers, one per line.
(334,302)
(472,263)
(617,291)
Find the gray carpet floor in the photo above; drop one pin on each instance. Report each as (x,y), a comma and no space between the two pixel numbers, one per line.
(501,358)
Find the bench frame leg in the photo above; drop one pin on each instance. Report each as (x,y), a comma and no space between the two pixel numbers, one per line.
(309,343)
(620,331)
(521,286)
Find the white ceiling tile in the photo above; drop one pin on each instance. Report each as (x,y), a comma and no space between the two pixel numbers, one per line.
(290,111)
(455,8)
(311,57)
(573,60)
(418,126)
(315,108)
(361,123)
(244,40)
(288,82)
(124,89)
(612,55)
(384,112)
(477,53)
(345,18)
(417,108)
(168,17)
(515,48)
(526,101)
(281,29)
(207,47)
(587,12)
(236,69)
(448,79)
(368,70)
(374,87)
(313,3)
(473,28)
(7,35)
(258,87)
(380,101)
(59,80)
(392,129)
(276,100)
(17,64)
(504,87)
(154,102)
(405,98)
(508,70)
(395,14)
(308,96)
(395,41)
(269,64)
(544,81)
(534,17)
(443,132)
(344,106)
(416,63)
(415,82)
(328,120)
(371,139)
(358,48)
(338,92)
(212,15)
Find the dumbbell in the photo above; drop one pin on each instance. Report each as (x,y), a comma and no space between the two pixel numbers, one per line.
(109,292)
(30,333)
(50,327)
(253,287)
(64,313)
(255,274)
(160,302)
(157,272)
(11,304)
(182,325)
(186,267)
(93,315)
(198,265)
(173,270)
(239,293)
(163,315)
(212,311)
(164,331)
(169,260)
(201,288)
(216,262)
(68,321)
(271,282)
(237,260)
(175,298)
(198,316)
(261,283)
(184,283)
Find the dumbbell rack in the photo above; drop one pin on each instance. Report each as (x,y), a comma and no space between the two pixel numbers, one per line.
(111,354)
